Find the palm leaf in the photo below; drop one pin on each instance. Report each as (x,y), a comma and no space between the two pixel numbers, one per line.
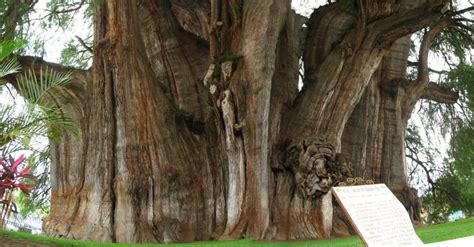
(8,67)
(21,127)
(7,47)
(36,88)
(41,115)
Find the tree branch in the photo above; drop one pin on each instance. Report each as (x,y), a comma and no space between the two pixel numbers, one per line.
(84,44)
(422,165)
(398,25)
(462,11)
(35,64)
(439,94)
(63,11)
(423,73)
(416,64)
(461,19)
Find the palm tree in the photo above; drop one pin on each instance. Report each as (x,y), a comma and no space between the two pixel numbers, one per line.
(40,115)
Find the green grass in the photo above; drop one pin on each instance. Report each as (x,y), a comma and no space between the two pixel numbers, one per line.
(429,234)
(441,232)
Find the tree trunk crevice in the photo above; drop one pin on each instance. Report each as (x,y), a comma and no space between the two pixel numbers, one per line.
(191,125)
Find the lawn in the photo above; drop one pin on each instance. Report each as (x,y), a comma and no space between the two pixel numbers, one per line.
(429,234)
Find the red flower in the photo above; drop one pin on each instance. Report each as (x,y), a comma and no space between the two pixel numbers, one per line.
(10,174)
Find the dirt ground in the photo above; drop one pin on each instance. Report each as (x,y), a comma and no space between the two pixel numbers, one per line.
(7,242)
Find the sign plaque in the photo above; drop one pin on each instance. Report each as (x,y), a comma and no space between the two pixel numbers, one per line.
(377,215)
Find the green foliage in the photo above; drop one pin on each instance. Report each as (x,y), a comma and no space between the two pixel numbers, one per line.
(7,47)
(452,41)
(61,12)
(34,88)
(8,67)
(37,203)
(11,14)
(451,188)
(59,15)
(458,182)
(40,116)
(461,78)
(72,55)
(436,208)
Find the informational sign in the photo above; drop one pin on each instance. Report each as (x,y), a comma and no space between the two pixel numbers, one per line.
(377,215)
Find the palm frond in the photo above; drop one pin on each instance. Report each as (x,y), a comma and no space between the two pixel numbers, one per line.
(36,88)
(21,127)
(9,66)
(41,115)
(55,120)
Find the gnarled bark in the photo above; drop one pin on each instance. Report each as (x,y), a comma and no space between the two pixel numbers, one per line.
(374,137)
(196,130)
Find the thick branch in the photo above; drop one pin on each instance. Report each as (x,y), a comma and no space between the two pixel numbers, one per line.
(11,18)
(422,80)
(439,94)
(35,64)
(339,80)
(423,73)
(404,23)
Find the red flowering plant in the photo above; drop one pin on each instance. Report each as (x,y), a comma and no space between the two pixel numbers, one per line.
(11,179)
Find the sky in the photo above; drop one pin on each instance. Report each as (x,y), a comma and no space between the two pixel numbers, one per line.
(55,38)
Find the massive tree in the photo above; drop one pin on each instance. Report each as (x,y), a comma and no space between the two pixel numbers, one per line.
(192,127)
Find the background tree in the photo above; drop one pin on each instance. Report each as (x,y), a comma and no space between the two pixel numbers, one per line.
(191,124)
(440,176)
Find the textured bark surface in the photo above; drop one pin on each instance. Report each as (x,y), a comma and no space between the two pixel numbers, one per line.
(192,127)
(374,136)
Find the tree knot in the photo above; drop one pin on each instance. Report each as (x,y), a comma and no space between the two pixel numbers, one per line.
(316,167)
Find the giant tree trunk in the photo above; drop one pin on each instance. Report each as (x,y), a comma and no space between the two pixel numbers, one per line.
(374,137)
(192,127)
